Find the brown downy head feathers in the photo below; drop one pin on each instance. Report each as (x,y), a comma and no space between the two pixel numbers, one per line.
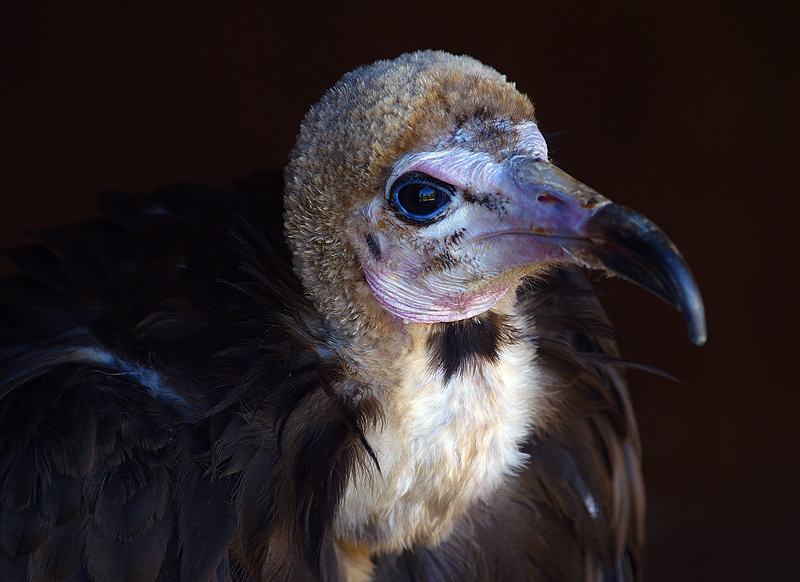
(344,154)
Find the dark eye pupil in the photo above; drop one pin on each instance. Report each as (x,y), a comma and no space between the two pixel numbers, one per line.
(419,197)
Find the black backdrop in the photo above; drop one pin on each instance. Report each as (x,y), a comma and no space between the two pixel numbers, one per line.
(685,112)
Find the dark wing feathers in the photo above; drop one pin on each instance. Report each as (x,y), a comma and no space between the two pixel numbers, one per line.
(84,486)
(204,550)
(94,481)
(171,409)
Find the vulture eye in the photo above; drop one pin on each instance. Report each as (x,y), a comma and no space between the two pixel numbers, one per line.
(419,198)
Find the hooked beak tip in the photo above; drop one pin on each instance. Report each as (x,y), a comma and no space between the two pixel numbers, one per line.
(633,247)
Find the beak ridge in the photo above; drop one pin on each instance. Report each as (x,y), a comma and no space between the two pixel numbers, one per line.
(607,236)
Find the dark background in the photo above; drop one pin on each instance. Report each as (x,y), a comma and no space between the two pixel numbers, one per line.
(685,112)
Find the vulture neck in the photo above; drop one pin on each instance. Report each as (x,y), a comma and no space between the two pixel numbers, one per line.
(457,400)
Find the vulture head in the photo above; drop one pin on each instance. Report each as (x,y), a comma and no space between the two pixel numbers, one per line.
(420,191)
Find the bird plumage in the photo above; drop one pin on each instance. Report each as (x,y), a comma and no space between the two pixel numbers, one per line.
(185,396)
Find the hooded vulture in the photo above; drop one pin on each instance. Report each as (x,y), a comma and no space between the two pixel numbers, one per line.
(384,364)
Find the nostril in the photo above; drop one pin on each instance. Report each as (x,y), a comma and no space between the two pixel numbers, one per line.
(547,199)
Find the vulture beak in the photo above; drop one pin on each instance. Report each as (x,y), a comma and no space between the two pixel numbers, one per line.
(574,223)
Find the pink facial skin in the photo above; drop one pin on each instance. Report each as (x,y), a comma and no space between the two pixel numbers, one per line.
(500,221)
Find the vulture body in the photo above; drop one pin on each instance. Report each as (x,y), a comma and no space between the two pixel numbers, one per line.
(385,364)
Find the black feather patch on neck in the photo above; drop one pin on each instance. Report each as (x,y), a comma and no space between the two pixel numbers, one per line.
(454,345)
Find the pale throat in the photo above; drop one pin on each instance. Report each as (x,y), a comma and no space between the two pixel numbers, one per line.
(443,445)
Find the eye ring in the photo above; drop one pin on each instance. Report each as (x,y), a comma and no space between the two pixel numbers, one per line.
(418,197)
